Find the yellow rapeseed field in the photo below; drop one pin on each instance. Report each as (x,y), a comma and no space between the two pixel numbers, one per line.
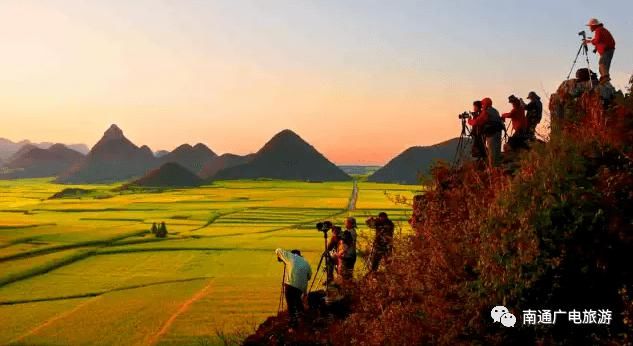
(85,269)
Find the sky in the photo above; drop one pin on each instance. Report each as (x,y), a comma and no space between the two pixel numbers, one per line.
(360,80)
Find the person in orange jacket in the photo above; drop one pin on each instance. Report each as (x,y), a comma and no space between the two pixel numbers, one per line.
(519,123)
(605,46)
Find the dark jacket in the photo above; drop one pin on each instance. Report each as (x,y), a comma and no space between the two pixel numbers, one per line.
(384,234)
(534,112)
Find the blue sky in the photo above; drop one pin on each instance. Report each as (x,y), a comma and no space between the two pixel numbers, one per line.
(361,80)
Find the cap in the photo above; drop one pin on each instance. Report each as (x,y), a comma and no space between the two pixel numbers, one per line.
(593,22)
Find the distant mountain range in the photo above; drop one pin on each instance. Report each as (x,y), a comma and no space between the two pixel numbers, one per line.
(223,161)
(408,166)
(8,147)
(192,158)
(288,157)
(34,162)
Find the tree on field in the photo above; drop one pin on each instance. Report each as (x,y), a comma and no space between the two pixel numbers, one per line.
(162,230)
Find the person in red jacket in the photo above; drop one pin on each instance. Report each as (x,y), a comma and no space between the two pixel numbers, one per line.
(491,125)
(605,46)
(519,123)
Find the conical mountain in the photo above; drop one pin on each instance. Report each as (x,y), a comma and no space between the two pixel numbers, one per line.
(113,158)
(33,162)
(287,157)
(169,175)
(193,158)
(408,166)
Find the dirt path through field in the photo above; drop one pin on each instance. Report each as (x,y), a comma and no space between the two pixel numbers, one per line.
(183,308)
(50,321)
(352,200)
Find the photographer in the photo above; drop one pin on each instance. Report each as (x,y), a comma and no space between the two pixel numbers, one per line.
(605,46)
(298,273)
(478,149)
(519,124)
(383,242)
(491,126)
(534,114)
(332,253)
(347,249)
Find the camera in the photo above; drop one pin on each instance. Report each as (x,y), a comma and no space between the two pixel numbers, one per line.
(324,226)
(464,115)
(583,34)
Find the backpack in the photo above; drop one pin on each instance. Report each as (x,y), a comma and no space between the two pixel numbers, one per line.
(494,123)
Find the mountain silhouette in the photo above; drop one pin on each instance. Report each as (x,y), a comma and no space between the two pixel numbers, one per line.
(21,151)
(288,157)
(9,148)
(160,153)
(407,167)
(169,175)
(192,158)
(222,162)
(33,162)
(113,158)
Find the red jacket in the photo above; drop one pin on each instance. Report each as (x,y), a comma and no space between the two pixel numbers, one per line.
(517,114)
(480,119)
(603,40)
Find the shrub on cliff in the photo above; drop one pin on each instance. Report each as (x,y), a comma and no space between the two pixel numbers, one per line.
(557,234)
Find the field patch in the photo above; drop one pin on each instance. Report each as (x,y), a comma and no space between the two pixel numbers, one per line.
(83,269)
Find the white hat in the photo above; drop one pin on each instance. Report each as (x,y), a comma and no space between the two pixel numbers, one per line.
(593,22)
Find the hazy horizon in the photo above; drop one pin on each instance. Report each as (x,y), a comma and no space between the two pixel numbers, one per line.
(361,81)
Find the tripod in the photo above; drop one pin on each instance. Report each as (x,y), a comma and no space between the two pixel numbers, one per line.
(283,291)
(327,265)
(461,146)
(585,51)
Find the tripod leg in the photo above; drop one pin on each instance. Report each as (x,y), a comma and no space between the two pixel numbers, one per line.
(575,60)
(586,51)
(316,273)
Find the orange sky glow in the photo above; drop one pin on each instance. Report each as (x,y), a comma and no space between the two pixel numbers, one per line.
(232,76)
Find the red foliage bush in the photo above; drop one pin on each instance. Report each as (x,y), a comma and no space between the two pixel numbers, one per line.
(556,234)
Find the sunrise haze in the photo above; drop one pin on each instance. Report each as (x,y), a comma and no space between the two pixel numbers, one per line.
(359,80)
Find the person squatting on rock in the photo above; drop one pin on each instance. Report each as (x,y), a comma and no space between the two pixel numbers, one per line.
(383,242)
(519,124)
(491,126)
(605,46)
(298,274)
(534,114)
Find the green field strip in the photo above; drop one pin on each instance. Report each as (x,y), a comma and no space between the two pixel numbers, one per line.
(84,210)
(92,243)
(18,241)
(183,248)
(101,292)
(45,268)
(11,227)
(110,219)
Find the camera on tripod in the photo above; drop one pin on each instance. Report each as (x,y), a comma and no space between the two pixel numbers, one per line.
(465,115)
(324,226)
(583,34)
